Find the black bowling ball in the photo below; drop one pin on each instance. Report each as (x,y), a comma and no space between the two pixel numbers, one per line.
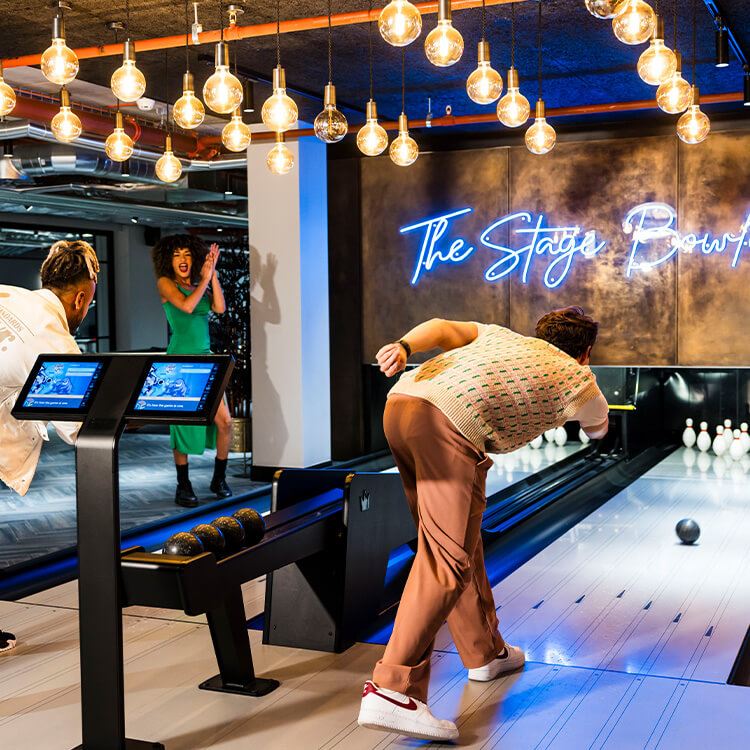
(211,538)
(688,530)
(182,544)
(253,524)
(234,534)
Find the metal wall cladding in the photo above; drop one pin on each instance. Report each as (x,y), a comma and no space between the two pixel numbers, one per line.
(687,310)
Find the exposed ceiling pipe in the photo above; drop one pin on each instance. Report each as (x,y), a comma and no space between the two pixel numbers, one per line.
(246,32)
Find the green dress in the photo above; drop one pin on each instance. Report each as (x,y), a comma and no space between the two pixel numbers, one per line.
(190,336)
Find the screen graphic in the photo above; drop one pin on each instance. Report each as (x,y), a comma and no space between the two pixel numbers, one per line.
(177,386)
(63,385)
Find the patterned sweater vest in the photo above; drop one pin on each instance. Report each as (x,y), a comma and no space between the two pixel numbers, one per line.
(503,389)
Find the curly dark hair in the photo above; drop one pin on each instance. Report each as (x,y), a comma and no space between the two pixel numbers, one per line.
(164,249)
(569,329)
(68,264)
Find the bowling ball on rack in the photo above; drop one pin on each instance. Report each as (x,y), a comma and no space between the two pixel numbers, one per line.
(211,538)
(234,534)
(253,524)
(687,530)
(182,544)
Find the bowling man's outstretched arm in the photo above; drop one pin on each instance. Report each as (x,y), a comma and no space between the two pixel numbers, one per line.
(435,333)
(594,417)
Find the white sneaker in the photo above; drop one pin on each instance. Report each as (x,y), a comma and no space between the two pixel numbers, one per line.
(390,711)
(512,658)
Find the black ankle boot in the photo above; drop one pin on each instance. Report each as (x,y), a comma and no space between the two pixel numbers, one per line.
(185,495)
(220,488)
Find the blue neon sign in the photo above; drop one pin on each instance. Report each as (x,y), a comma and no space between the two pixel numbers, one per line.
(654,241)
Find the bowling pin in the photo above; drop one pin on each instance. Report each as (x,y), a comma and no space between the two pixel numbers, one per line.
(744,437)
(583,437)
(536,443)
(688,434)
(549,435)
(704,439)
(735,449)
(719,446)
(561,436)
(728,436)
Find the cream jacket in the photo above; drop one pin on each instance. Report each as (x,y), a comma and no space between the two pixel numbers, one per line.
(31,323)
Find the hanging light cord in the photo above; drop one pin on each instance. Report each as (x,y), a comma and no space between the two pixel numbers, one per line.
(187,37)
(369,11)
(117,99)
(330,75)
(278,34)
(127,18)
(674,18)
(166,87)
(221,18)
(513,35)
(540,49)
(403,79)
(694,43)
(484,12)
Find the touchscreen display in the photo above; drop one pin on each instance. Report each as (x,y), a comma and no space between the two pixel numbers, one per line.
(177,386)
(63,385)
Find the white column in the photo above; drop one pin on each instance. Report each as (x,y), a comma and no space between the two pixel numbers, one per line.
(288,230)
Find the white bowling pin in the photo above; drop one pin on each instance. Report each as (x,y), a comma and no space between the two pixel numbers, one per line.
(688,434)
(561,436)
(735,449)
(728,436)
(583,437)
(704,439)
(719,446)
(536,443)
(744,437)
(549,435)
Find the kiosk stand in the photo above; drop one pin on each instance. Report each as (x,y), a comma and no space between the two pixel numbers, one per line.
(105,392)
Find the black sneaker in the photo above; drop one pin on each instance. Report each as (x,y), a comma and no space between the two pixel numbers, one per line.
(185,496)
(7,641)
(220,488)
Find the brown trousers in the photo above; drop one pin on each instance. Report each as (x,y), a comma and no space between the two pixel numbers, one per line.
(444,478)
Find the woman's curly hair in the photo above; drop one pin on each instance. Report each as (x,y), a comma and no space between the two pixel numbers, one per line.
(164,249)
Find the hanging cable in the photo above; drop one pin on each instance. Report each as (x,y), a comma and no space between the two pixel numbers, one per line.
(694,17)
(512,35)
(187,37)
(403,79)
(166,86)
(674,19)
(484,13)
(221,18)
(540,49)
(330,75)
(369,31)
(278,34)
(127,17)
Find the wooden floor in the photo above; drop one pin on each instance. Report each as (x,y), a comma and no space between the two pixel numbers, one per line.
(630,638)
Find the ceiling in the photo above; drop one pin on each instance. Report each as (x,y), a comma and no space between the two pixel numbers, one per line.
(583,63)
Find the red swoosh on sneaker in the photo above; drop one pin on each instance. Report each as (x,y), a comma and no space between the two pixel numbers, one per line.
(410,705)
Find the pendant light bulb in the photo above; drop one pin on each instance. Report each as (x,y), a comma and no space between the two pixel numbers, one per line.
(280,159)
(279,111)
(675,94)
(128,83)
(400,23)
(485,84)
(168,167)
(635,24)
(444,45)
(119,145)
(605,8)
(694,126)
(222,92)
(372,138)
(513,109)
(330,125)
(541,136)
(404,150)
(188,110)
(7,95)
(65,125)
(236,135)
(657,64)
(59,63)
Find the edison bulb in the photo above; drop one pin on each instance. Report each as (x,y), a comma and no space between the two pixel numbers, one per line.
(657,63)
(541,136)
(7,96)
(635,24)
(222,92)
(330,125)
(188,111)
(444,44)
(694,126)
(65,125)
(675,94)
(279,111)
(236,135)
(513,109)
(372,138)
(119,145)
(59,63)
(128,83)
(485,84)
(280,159)
(400,23)
(605,8)
(404,150)
(168,167)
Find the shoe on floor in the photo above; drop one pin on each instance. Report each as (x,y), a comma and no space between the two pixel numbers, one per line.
(390,711)
(185,496)
(219,487)
(510,659)
(7,641)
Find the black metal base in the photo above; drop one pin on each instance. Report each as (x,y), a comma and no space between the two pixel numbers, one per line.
(258,687)
(134,745)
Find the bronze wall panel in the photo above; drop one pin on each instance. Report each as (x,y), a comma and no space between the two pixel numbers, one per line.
(593,185)
(394,197)
(713,297)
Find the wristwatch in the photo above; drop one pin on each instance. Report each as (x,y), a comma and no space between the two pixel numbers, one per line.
(406,346)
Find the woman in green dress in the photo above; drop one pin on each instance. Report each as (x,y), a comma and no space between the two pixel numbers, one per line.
(189,289)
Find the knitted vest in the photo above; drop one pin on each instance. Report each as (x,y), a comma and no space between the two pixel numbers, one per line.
(503,389)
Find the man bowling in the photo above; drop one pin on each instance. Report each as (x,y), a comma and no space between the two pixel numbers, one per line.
(490,390)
